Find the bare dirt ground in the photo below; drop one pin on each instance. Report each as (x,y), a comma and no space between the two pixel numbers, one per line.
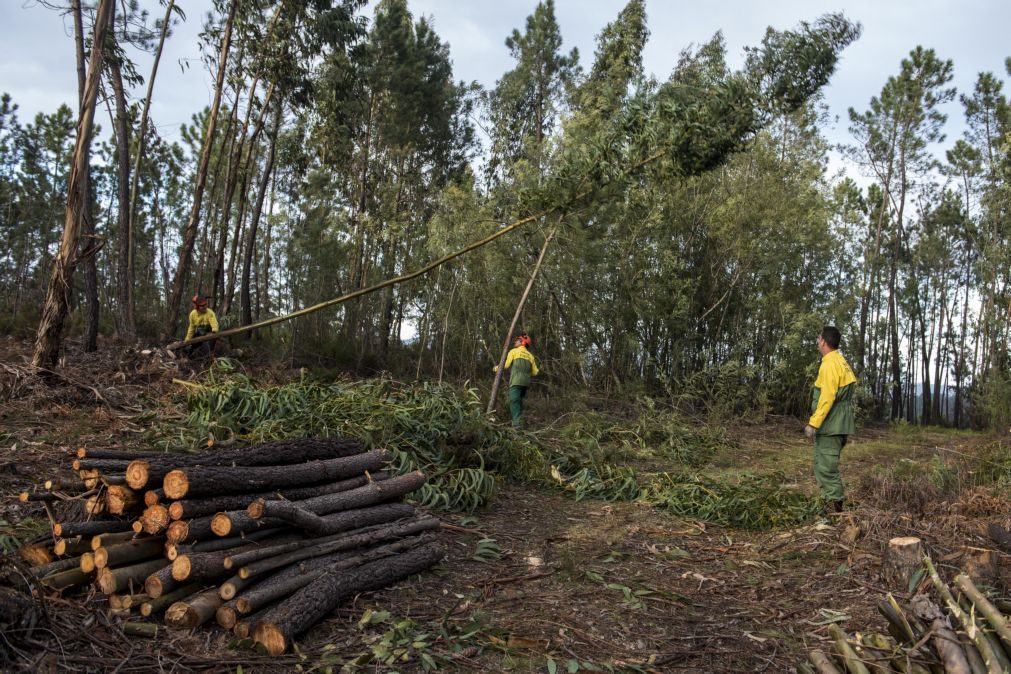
(536,582)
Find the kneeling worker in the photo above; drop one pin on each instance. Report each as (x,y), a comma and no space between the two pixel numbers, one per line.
(203,321)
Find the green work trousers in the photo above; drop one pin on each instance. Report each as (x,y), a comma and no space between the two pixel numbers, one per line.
(827,449)
(516,394)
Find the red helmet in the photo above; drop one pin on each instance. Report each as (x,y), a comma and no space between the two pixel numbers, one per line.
(199,301)
(524,339)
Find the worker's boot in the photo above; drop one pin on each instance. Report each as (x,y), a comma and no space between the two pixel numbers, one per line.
(836,506)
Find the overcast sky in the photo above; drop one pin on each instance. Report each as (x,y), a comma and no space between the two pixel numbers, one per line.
(37,62)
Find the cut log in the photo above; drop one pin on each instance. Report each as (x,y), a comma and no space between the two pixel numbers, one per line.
(94,505)
(110,466)
(156,605)
(237,522)
(281,624)
(173,550)
(108,540)
(194,611)
(945,641)
(370,494)
(65,580)
(71,546)
(207,480)
(281,585)
(87,562)
(154,496)
(132,601)
(282,452)
(197,507)
(27,496)
(123,454)
(983,606)
(91,528)
(821,663)
(128,578)
(902,560)
(201,566)
(119,499)
(69,485)
(344,520)
(135,629)
(350,541)
(131,551)
(227,615)
(57,566)
(155,519)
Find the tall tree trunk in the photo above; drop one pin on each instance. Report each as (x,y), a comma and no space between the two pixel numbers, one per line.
(89,245)
(131,220)
(190,233)
(124,281)
(261,194)
(516,319)
(54,312)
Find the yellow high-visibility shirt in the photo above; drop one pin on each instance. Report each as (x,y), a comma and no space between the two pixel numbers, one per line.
(197,320)
(833,374)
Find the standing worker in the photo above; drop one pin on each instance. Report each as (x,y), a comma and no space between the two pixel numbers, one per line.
(832,419)
(203,321)
(522,366)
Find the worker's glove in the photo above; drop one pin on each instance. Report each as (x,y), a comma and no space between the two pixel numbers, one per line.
(809,431)
(495,369)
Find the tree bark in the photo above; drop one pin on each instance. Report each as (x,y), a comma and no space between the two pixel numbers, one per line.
(281,625)
(902,559)
(206,480)
(376,492)
(91,528)
(141,471)
(349,542)
(158,604)
(133,551)
(343,522)
(127,577)
(194,611)
(281,585)
(48,339)
(124,278)
(190,233)
(197,507)
(88,246)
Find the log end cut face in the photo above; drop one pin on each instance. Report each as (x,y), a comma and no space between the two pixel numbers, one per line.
(271,637)
(176,484)
(137,473)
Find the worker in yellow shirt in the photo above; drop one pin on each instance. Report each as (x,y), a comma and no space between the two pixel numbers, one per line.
(832,420)
(522,366)
(202,322)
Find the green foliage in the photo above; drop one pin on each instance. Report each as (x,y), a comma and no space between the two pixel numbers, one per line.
(752,503)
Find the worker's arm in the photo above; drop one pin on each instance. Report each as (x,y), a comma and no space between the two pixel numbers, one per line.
(534,370)
(213,320)
(828,384)
(190,329)
(510,358)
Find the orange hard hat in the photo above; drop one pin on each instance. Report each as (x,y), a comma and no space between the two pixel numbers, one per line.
(199,300)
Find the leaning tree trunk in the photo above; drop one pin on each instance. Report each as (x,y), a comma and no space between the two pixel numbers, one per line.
(89,246)
(516,318)
(124,282)
(190,233)
(57,304)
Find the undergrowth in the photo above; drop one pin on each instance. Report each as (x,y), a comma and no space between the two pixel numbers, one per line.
(442,431)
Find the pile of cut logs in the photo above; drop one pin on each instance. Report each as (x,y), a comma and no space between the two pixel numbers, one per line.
(957,631)
(266,539)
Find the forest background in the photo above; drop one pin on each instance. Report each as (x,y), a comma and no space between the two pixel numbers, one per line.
(343,151)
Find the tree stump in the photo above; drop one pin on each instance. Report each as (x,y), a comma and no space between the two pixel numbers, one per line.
(981,565)
(903,558)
